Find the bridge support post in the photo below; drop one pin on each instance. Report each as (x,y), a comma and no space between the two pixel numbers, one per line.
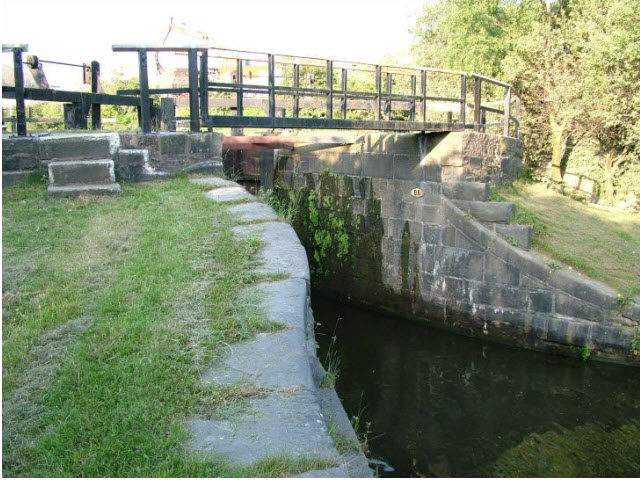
(96,115)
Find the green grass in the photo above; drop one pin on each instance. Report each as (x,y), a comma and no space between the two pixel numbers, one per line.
(112,306)
(600,242)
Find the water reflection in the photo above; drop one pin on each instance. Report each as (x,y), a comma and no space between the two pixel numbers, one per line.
(445,405)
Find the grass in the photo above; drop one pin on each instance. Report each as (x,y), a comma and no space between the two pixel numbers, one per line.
(602,243)
(112,306)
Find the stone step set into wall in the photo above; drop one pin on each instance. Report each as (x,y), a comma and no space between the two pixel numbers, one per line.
(386,224)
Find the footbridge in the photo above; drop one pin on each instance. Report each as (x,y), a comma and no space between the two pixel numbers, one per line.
(249,89)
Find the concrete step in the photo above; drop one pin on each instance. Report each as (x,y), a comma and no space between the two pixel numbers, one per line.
(92,172)
(73,147)
(487,212)
(79,189)
(16,177)
(517,235)
(477,191)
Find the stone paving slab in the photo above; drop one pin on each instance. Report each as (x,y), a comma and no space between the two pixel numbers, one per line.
(253,212)
(228,194)
(77,190)
(289,424)
(215,182)
(336,472)
(283,252)
(277,360)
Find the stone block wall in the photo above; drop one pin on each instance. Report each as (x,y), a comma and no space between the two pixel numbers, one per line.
(136,156)
(370,240)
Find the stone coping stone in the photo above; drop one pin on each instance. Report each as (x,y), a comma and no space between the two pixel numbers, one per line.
(276,360)
(215,182)
(281,423)
(228,194)
(282,253)
(254,212)
(336,472)
(488,212)
(77,190)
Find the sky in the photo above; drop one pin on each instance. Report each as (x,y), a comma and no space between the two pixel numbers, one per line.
(81,31)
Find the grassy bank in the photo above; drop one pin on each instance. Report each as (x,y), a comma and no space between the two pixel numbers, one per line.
(599,242)
(111,309)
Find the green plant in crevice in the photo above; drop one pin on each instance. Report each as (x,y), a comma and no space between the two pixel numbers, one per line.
(331,364)
(586,353)
(635,342)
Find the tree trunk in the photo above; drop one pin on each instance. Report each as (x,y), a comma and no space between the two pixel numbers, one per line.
(609,188)
(558,147)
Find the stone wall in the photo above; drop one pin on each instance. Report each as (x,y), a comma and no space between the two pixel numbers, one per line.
(371,241)
(136,156)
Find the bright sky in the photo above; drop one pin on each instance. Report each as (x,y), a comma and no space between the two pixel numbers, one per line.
(80,31)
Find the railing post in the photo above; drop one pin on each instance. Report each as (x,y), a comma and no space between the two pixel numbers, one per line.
(96,117)
(412,105)
(423,94)
(463,97)
(296,85)
(21,115)
(343,102)
(194,116)
(477,98)
(272,85)
(387,103)
(507,111)
(330,88)
(167,114)
(378,91)
(145,106)
(204,84)
(239,94)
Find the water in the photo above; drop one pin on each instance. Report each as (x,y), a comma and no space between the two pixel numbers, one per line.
(439,404)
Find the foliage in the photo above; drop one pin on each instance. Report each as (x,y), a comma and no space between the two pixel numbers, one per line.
(126,117)
(575,64)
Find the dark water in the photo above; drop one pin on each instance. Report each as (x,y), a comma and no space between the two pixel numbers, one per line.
(439,404)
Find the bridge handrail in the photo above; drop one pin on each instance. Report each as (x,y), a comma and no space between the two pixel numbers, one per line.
(81,102)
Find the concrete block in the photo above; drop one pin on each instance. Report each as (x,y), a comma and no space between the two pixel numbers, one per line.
(488,212)
(476,191)
(499,271)
(457,262)
(81,172)
(77,190)
(253,212)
